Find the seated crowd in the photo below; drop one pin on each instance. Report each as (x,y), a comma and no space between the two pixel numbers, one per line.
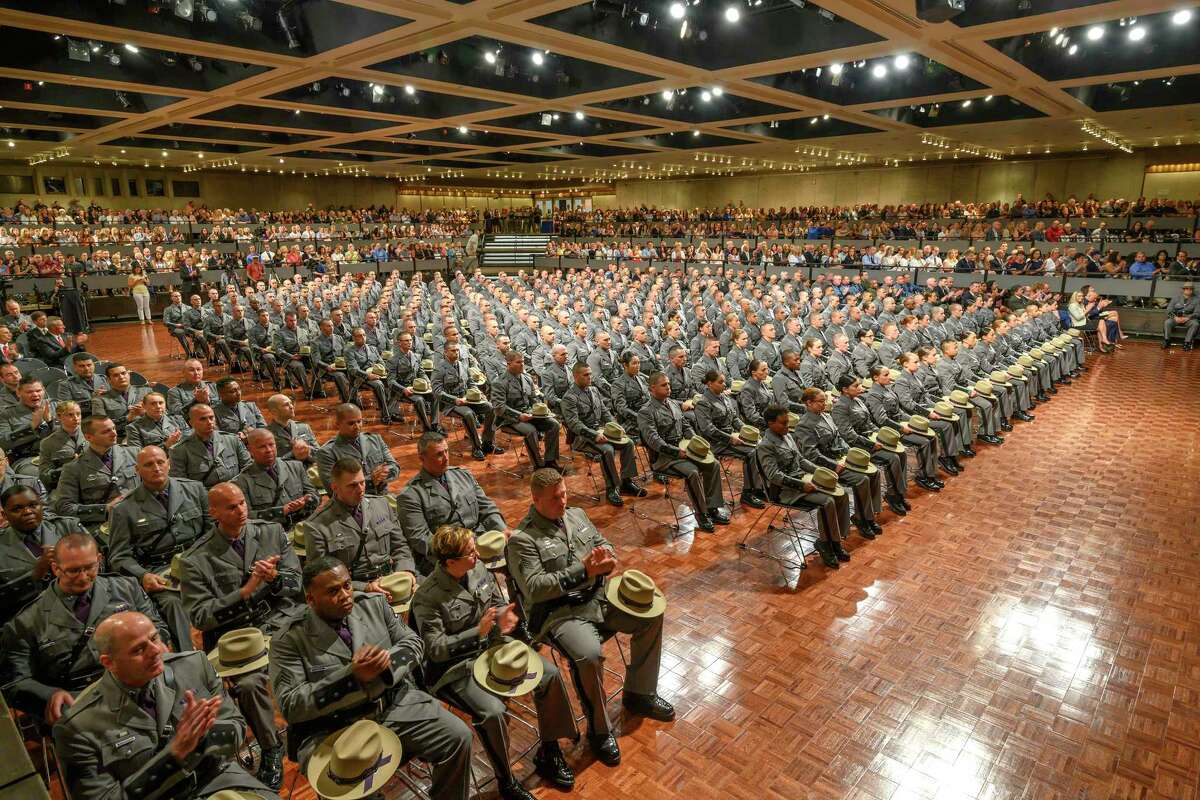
(141,521)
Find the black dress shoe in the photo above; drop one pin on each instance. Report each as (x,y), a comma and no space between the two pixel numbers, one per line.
(270,769)
(704,523)
(839,552)
(648,705)
(632,489)
(492,448)
(948,465)
(969,452)
(1024,416)
(614,498)
(478,455)
(720,515)
(864,528)
(990,439)
(1066,381)
(749,499)
(549,763)
(1166,344)
(927,485)
(1043,398)
(875,526)
(1006,426)
(938,482)
(514,791)
(825,551)
(897,506)
(605,749)
(904,501)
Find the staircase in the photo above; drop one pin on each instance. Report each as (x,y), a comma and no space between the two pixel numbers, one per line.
(513,249)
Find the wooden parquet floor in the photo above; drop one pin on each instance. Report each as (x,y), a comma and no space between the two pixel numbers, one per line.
(1031,631)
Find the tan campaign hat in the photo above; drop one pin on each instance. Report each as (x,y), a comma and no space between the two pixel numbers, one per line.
(614,433)
(635,593)
(826,481)
(1025,360)
(299,540)
(421,386)
(400,585)
(354,762)
(999,377)
(473,395)
(511,669)
(489,547)
(859,460)
(540,410)
(737,386)
(920,425)
(477,377)
(427,364)
(750,435)
(984,387)
(793,421)
(698,449)
(888,439)
(239,651)
(960,399)
(174,574)
(945,410)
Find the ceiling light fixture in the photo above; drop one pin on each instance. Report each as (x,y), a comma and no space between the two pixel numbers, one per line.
(1181,17)
(717,91)
(410,89)
(579,115)
(462,129)
(677,10)
(879,71)
(489,57)
(732,14)
(706,96)
(1073,49)
(1136,34)
(987,99)
(537,58)
(131,48)
(1095,33)
(901,62)
(667,94)
(1053,31)
(966,103)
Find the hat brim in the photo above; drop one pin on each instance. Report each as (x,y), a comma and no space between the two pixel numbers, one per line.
(318,768)
(613,594)
(494,563)
(963,406)
(837,491)
(622,441)
(899,448)
(418,391)
(869,469)
(692,456)
(214,658)
(948,417)
(928,433)
(484,678)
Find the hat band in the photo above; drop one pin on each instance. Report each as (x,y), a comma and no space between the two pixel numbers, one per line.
(638,604)
(498,557)
(240,661)
(511,681)
(366,777)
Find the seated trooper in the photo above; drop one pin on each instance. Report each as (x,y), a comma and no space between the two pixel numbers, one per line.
(812,366)
(789,476)
(358,529)
(348,657)
(261,349)
(666,433)
(587,418)
(327,349)
(1183,312)
(853,419)
(754,395)
(928,357)
(556,378)
(235,415)
(213,328)
(630,392)
(452,391)
(27,547)
(293,440)
(914,399)
(360,359)
(885,409)
(563,568)
(287,347)
(820,442)
(23,425)
(154,426)
(461,615)
(513,397)
(162,517)
(952,375)
(82,385)
(787,385)
(719,422)
(49,645)
(122,402)
(181,735)
(368,449)
(243,574)
(403,371)
(276,490)
(61,446)
(193,389)
(442,495)
(103,473)
(206,454)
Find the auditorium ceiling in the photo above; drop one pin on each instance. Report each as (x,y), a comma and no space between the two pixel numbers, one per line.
(557,89)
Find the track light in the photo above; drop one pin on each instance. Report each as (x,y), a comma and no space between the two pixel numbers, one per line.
(717,91)
(706,96)
(537,58)
(579,115)
(196,64)
(835,69)
(1095,33)
(131,48)
(901,62)
(1136,34)
(1181,17)
(114,58)
(409,89)
(289,29)
(184,9)
(677,10)
(1073,49)
(732,14)
(667,94)
(123,99)
(462,128)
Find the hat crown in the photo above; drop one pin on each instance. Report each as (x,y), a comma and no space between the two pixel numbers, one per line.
(984,387)
(421,385)
(858,457)
(509,662)
(943,408)
(240,646)
(638,588)
(793,420)
(490,545)
(998,376)
(959,396)
(825,478)
(298,534)
(699,447)
(888,437)
(737,386)
(749,433)
(473,395)
(177,566)
(540,410)
(399,585)
(1016,369)
(427,363)
(612,430)
(919,422)
(1025,360)
(357,750)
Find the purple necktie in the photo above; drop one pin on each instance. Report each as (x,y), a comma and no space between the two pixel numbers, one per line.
(239,547)
(146,701)
(358,515)
(83,607)
(164,497)
(343,632)
(107,458)
(34,543)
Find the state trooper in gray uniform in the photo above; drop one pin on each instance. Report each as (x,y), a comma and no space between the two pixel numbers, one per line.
(952,374)
(101,475)
(235,415)
(603,361)
(286,345)
(122,402)
(403,369)
(460,613)
(160,518)
(157,724)
(853,419)
(27,547)
(719,422)
(348,657)
(327,348)
(276,490)
(663,427)
(23,425)
(820,442)
(173,318)
(207,454)
(154,426)
(360,357)
(513,396)
(293,440)
(787,385)
(49,646)
(61,446)
(193,389)
(788,476)
(82,384)
(369,449)
(261,341)
(631,390)
(243,573)
(884,405)
(358,529)
(754,397)
(1183,311)
(585,414)
(914,398)
(442,495)
(451,380)
(556,378)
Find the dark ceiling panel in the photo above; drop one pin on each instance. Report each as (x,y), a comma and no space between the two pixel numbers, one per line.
(29,134)
(311,27)
(690,105)
(1072,52)
(1172,91)
(53,119)
(765,32)
(382,98)
(263,138)
(174,144)
(305,120)
(686,140)
(522,157)
(980,12)
(588,150)
(873,80)
(330,155)
(37,51)
(395,148)
(82,97)
(471,137)
(1000,108)
(445,162)
(511,69)
(567,123)
(805,128)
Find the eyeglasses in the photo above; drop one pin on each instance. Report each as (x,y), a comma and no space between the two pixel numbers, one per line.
(83,569)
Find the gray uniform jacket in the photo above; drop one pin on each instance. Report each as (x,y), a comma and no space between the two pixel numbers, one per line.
(266,495)
(447,615)
(143,431)
(662,425)
(17,431)
(426,503)
(605,368)
(191,458)
(82,392)
(49,649)
(116,404)
(854,423)
(87,485)
(717,417)
(911,393)
(368,448)
(813,373)
(556,382)
(112,749)
(546,561)
(864,358)
(783,467)
(145,535)
(17,586)
(788,387)
(213,576)
(182,397)
(287,435)
(885,406)
(584,412)
(839,364)
(451,380)
(630,393)
(243,416)
(512,395)
(404,368)
(374,548)
(737,362)
(819,441)
(752,401)
(57,449)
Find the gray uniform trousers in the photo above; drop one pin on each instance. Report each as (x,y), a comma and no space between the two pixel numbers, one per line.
(867,490)
(1189,328)
(896,467)
(608,460)
(751,474)
(544,428)
(662,425)
(988,411)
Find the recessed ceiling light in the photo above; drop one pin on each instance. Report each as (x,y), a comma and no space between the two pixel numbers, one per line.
(835,69)
(131,48)
(1053,31)
(410,89)
(1095,33)
(695,133)
(717,91)
(706,96)
(538,58)
(966,103)
(11,143)
(281,161)
(579,115)
(667,94)
(825,117)
(732,14)
(901,62)
(1073,49)
(1182,16)
(987,99)
(677,10)
(462,129)
(164,154)
(879,71)
(122,152)
(1137,34)
(489,57)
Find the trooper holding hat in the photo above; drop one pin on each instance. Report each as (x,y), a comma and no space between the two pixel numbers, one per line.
(630,390)
(820,442)
(348,657)
(791,482)
(464,620)
(409,384)
(853,419)
(592,430)
(157,724)
(915,399)
(719,423)
(953,376)
(363,446)
(243,573)
(519,411)
(561,563)
(276,490)
(456,393)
